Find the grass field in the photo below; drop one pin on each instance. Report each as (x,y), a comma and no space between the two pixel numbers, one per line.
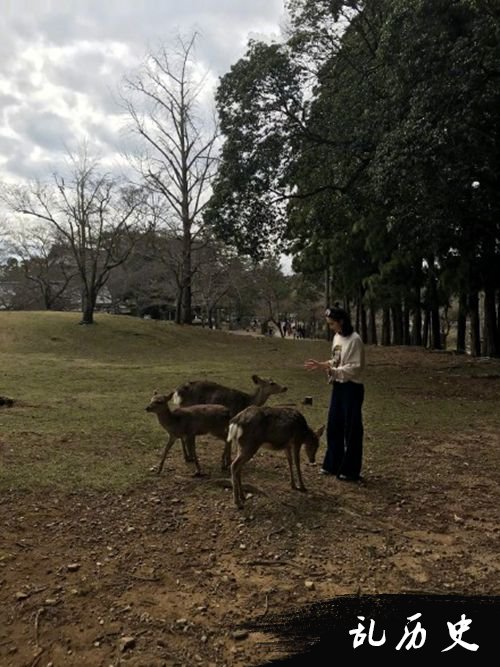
(79,420)
(76,453)
(81,391)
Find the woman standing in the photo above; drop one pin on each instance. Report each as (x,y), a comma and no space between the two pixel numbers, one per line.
(345,371)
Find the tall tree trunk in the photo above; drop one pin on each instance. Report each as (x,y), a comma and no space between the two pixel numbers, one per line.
(397,324)
(47,299)
(416,333)
(435,322)
(386,326)
(425,335)
(475,324)
(187,315)
(364,326)
(406,324)
(491,348)
(461,322)
(372,327)
(88,307)
(416,329)
(436,328)
(178,307)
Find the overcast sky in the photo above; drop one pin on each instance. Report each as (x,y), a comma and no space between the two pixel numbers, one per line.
(62,61)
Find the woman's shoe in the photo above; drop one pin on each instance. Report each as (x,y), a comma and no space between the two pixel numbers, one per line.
(348,478)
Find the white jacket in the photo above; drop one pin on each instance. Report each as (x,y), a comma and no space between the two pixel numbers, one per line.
(348,359)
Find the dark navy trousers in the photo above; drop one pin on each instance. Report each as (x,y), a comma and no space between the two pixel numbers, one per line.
(345,430)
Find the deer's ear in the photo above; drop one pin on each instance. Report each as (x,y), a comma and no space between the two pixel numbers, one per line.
(320,431)
(256,379)
(169,396)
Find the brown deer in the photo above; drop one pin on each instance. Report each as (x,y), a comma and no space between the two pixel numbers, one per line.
(274,428)
(190,422)
(203,391)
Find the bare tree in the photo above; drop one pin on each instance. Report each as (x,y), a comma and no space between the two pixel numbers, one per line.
(140,281)
(274,292)
(46,262)
(178,162)
(219,274)
(92,213)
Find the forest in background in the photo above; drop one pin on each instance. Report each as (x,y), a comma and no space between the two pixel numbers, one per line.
(365,145)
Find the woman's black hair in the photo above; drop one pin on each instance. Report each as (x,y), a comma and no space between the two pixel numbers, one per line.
(340,315)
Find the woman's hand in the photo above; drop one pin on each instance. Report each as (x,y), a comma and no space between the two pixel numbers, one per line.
(313,365)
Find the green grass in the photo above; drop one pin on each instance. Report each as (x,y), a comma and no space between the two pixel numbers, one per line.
(80,391)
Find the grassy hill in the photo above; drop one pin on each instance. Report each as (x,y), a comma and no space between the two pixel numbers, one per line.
(80,392)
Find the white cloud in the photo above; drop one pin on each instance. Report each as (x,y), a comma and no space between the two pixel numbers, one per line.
(62,63)
(45,129)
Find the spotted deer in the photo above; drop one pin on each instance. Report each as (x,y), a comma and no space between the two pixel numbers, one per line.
(204,391)
(190,422)
(274,428)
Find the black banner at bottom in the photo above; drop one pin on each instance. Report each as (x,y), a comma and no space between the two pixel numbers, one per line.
(404,627)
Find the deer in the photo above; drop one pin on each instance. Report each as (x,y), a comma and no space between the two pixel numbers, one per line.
(204,391)
(190,422)
(280,428)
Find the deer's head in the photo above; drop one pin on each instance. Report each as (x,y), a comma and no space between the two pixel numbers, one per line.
(158,402)
(268,386)
(312,444)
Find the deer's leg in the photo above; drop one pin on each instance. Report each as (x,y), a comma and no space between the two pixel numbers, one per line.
(191,447)
(290,466)
(188,445)
(296,459)
(170,442)
(226,457)
(198,472)
(236,467)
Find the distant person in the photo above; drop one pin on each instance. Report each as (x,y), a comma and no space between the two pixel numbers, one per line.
(344,436)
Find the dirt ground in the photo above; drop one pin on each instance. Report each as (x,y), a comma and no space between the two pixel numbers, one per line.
(165,574)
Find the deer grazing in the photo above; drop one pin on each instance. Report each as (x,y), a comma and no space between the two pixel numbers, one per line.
(274,428)
(190,422)
(203,391)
